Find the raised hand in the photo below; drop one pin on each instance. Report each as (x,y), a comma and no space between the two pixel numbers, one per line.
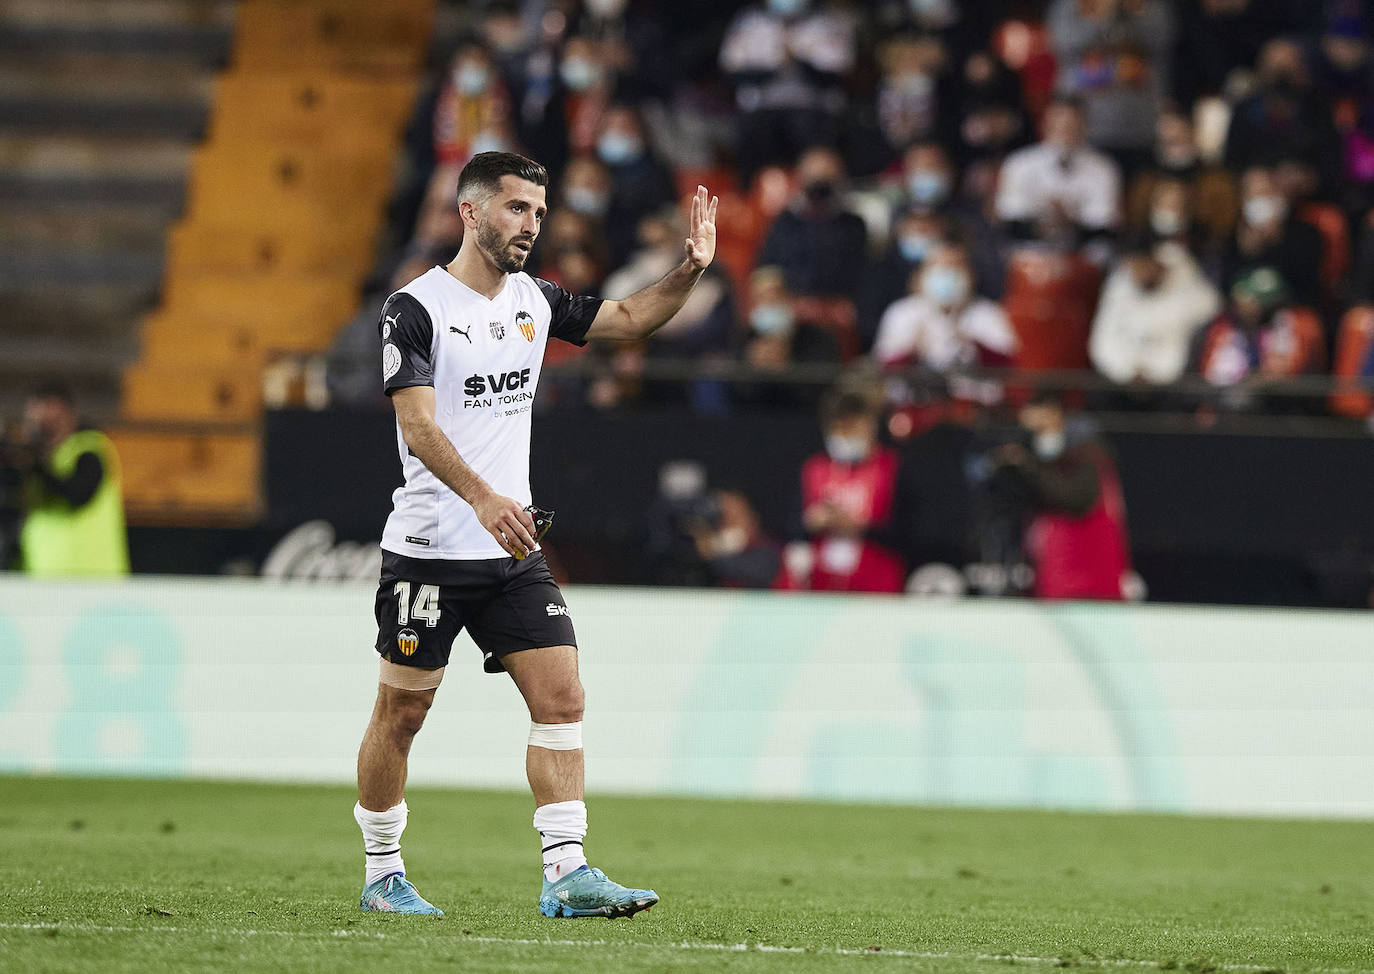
(701,229)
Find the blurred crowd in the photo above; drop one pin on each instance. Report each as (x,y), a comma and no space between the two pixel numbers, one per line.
(1173,197)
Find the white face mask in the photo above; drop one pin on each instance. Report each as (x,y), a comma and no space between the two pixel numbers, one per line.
(1049,445)
(1261,210)
(846,449)
(605,8)
(471,79)
(1166,223)
(579,74)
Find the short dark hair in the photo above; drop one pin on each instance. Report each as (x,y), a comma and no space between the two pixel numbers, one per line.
(481,177)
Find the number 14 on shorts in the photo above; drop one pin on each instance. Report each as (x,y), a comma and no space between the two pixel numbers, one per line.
(425,606)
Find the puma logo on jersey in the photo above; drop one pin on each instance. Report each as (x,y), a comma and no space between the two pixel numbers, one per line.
(460,331)
(500,382)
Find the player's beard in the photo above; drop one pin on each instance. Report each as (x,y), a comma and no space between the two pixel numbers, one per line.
(499,249)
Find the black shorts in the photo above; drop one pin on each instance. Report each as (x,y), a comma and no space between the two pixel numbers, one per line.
(506,605)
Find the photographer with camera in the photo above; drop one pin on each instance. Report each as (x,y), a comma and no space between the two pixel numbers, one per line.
(71,499)
(1071,496)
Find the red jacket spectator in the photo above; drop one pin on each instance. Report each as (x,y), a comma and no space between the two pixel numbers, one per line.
(847,493)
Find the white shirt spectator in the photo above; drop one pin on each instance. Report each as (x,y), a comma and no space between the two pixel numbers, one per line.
(1086,184)
(940,339)
(1148,334)
(762,43)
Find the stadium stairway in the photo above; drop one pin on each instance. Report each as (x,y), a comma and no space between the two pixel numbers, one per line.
(101,102)
(284,201)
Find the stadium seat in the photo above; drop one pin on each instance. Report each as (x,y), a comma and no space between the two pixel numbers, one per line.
(1354,347)
(341,35)
(1330,223)
(207,247)
(182,391)
(314,106)
(189,478)
(1050,299)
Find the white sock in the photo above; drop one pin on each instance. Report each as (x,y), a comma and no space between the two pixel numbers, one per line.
(382,839)
(561,826)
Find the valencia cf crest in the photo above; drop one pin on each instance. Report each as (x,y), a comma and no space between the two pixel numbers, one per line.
(525,322)
(498,330)
(407,641)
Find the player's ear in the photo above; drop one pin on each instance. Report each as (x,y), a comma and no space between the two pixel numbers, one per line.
(467,211)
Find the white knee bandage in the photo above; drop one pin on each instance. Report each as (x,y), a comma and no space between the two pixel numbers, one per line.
(556,737)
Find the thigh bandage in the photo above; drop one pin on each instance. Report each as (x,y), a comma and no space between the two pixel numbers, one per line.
(410,677)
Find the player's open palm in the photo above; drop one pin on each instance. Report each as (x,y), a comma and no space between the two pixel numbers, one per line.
(509,523)
(701,228)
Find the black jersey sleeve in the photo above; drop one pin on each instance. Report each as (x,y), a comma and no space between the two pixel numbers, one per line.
(572,313)
(407,335)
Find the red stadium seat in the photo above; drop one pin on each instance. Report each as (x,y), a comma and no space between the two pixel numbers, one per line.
(1330,223)
(1354,345)
(1050,299)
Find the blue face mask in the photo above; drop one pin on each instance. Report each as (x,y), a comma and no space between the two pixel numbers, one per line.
(771,319)
(946,286)
(927,186)
(471,79)
(913,246)
(616,148)
(589,201)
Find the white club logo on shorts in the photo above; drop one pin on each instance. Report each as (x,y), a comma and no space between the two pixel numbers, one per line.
(391,360)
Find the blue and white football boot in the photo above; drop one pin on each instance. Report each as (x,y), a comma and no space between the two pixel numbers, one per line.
(396,894)
(586,892)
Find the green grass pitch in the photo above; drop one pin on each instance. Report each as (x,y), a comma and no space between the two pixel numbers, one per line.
(126,875)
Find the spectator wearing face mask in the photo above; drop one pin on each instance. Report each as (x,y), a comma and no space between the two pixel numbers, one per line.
(1268,234)
(640,182)
(1076,529)
(915,232)
(821,247)
(848,498)
(1259,340)
(944,324)
(912,103)
(1153,304)
(1180,193)
(473,111)
(1285,117)
(930,181)
(789,61)
(587,83)
(775,338)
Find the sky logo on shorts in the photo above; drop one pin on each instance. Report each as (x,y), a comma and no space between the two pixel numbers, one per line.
(525,322)
(554,609)
(407,641)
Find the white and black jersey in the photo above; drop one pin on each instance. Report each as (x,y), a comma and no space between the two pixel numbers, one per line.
(483,359)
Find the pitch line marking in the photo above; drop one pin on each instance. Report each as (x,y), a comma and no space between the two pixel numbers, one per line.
(684,945)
